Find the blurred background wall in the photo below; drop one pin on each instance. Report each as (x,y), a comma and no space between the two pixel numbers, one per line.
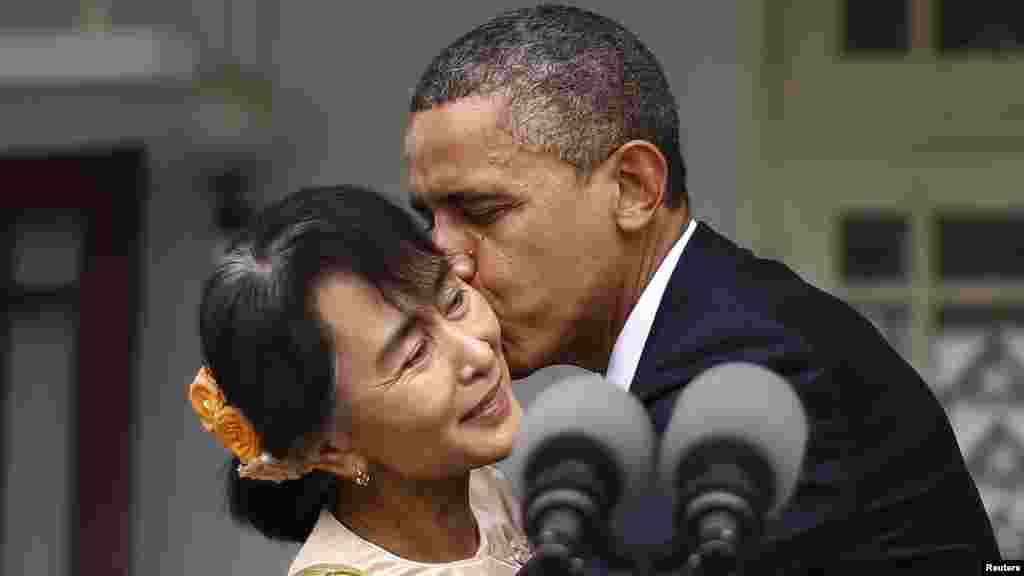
(875,150)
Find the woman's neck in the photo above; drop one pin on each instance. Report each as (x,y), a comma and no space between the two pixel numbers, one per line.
(419,520)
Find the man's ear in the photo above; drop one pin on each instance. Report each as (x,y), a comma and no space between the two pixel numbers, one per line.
(642,173)
(339,458)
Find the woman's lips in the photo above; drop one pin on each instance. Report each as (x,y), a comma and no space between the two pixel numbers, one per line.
(495,403)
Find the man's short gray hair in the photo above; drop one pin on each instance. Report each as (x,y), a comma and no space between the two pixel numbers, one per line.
(576,84)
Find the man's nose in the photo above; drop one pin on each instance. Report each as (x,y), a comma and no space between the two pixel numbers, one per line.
(464,266)
(458,246)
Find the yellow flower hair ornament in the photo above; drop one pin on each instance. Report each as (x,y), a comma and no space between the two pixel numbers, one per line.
(236,433)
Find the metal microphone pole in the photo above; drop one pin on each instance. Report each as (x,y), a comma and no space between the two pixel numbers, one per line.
(552,559)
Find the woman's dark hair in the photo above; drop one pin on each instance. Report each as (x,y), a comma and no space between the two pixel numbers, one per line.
(267,346)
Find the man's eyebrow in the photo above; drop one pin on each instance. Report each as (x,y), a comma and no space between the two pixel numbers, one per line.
(455,198)
(395,339)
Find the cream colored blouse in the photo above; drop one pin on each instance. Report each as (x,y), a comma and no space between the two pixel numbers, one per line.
(334,550)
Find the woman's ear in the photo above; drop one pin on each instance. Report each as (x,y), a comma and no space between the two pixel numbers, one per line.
(340,459)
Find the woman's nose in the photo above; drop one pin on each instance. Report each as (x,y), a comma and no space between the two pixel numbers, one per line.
(475,357)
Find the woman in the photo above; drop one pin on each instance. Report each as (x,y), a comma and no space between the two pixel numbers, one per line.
(363,391)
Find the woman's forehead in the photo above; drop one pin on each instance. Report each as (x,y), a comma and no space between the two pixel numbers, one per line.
(351,306)
(359,314)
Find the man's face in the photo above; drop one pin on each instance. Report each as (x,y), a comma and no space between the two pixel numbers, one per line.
(543,241)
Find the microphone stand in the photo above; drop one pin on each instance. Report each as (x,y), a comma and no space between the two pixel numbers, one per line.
(563,533)
(552,559)
(721,527)
(718,524)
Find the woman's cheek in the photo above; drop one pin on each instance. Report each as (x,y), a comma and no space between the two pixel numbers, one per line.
(421,409)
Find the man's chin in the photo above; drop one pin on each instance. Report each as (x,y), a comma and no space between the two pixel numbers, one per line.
(519,374)
(521,363)
(517,367)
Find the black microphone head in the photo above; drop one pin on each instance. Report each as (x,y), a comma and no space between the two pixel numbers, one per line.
(580,415)
(752,411)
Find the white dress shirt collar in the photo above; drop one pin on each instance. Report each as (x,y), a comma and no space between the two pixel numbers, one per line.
(629,345)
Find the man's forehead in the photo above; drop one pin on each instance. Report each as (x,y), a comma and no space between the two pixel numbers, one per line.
(449,156)
(474,119)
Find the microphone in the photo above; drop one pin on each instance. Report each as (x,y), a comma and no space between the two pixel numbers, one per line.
(730,456)
(585,449)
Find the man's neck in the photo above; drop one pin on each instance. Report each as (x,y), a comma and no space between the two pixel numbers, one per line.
(594,336)
(651,251)
(422,521)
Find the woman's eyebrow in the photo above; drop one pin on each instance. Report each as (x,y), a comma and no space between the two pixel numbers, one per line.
(395,339)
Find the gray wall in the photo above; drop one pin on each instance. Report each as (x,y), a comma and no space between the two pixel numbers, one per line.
(343,79)
(336,67)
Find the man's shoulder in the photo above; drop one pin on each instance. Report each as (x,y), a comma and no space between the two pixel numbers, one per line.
(726,304)
(722,286)
(715,267)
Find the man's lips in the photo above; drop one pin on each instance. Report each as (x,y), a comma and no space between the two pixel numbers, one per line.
(483,403)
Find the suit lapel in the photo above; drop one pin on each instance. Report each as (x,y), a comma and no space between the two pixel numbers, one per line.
(680,325)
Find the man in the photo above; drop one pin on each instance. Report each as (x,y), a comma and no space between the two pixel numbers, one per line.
(544,148)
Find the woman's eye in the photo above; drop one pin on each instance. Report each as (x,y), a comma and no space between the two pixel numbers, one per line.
(457,301)
(418,354)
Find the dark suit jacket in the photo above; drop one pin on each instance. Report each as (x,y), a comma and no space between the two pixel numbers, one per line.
(884,484)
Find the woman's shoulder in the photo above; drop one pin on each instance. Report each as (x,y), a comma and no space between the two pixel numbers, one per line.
(329,570)
(331,550)
(490,476)
(490,489)
(498,512)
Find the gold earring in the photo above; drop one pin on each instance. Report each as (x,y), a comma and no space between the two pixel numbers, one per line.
(362,477)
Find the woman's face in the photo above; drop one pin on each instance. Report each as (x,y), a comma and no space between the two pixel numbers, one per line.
(427,394)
